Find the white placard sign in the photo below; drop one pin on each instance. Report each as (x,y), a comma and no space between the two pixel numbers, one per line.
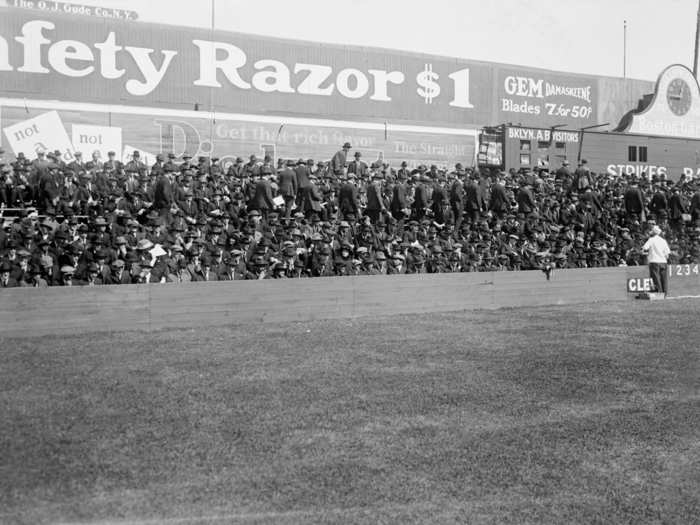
(89,139)
(44,131)
(146,157)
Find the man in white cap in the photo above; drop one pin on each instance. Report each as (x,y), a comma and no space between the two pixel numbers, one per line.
(657,252)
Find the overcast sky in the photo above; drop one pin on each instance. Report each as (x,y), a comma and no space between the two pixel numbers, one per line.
(582,36)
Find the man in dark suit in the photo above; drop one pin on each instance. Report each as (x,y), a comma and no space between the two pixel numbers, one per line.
(525,199)
(439,199)
(399,199)
(658,206)
(118,274)
(358,167)
(564,174)
(302,172)
(236,168)
(48,191)
(375,202)
(313,200)
(95,164)
(163,196)
(112,164)
(403,173)
(499,203)
(235,269)
(676,209)
(634,201)
(473,199)
(287,183)
(457,197)
(157,168)
(420,198)
(77,165)
(339,160)
(582,176)
(5,280)
(189,207)
(262,198)
(135,164)
(695,206)
(170,164)
(348,199)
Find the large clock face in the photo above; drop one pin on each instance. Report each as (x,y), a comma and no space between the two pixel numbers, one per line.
(678,96)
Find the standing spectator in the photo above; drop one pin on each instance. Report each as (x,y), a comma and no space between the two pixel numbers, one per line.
(158,168)
(676,209)
(457,196)
(112,164)
(634,202)
(658,207)
(262,196)
(235,169)
(349,199)
(303,184)
(48,190)
(525,199)
(95,163)
(135,164)
(399,198)
(695,206)
(590,197)
(251,168)
(313,199)
(375,203)
(657,252)
(163,196)
(421,200)
(403,172)
(287,183)
(563,174)
(77,165)
(439,200)
(582,176)
(358,167)
(499,202)
(339,160)
(473,202)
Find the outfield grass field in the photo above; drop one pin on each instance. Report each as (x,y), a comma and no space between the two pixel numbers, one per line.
(576,414)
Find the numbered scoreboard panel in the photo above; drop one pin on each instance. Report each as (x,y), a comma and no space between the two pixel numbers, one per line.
(683,279)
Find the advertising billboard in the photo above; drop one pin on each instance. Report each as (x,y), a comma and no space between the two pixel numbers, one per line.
(50,55)
(71,127)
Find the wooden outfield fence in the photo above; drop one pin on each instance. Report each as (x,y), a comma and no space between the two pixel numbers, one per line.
(35,311)
(41,311)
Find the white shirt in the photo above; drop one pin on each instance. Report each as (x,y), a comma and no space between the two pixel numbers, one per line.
(657,249)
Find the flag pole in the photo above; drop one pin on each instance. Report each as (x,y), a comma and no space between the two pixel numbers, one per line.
(697,34)
(624,49)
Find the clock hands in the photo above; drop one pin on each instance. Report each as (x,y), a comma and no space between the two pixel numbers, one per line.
(678,95)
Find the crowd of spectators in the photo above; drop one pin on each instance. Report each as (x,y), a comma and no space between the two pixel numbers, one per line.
(99,223)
